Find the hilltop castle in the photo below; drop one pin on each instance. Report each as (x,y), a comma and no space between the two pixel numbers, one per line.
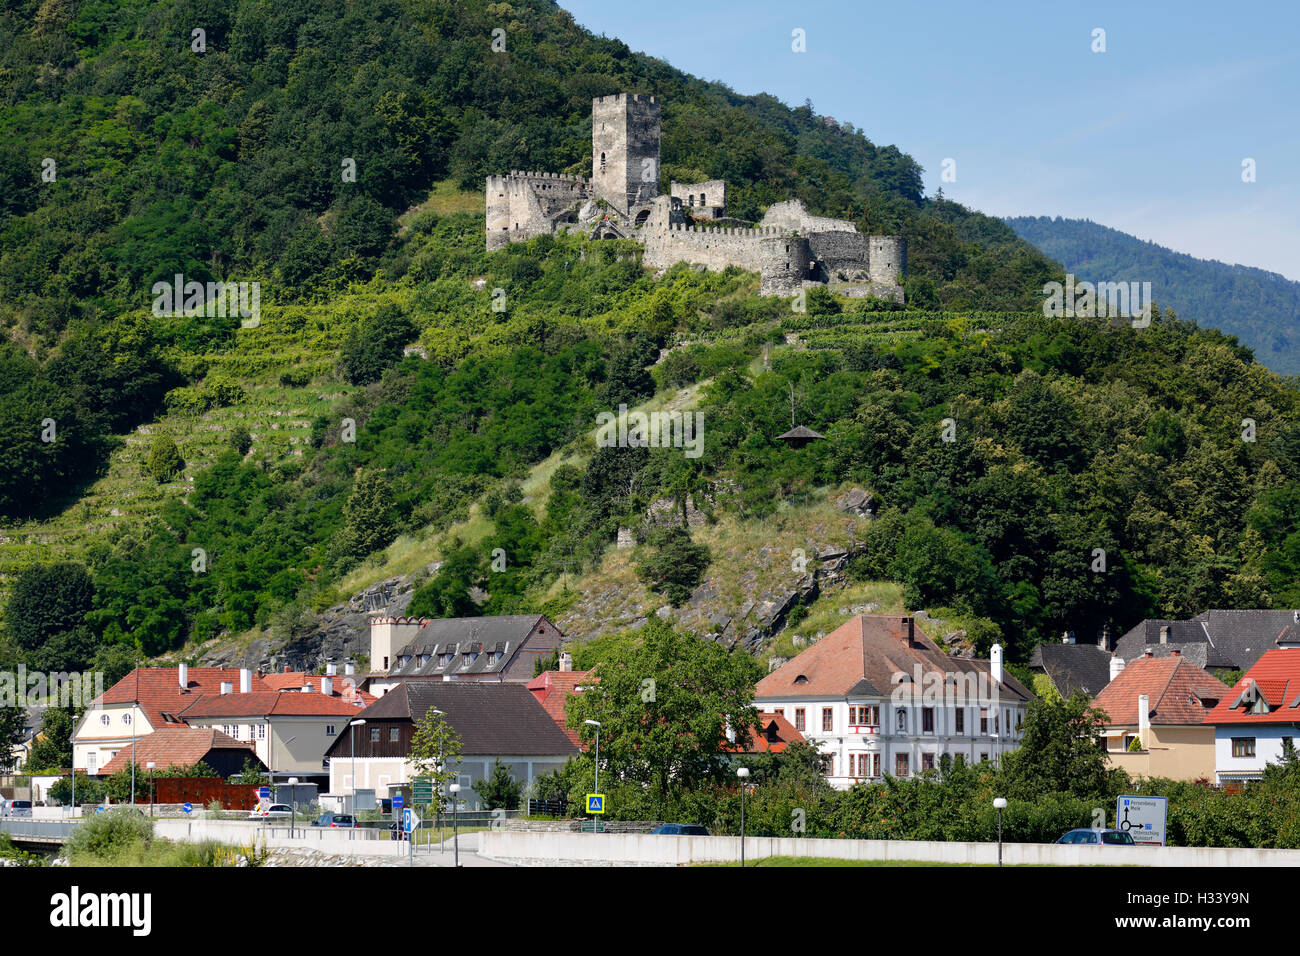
(789,248)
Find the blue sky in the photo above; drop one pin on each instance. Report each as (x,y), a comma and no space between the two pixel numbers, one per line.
(1147,137)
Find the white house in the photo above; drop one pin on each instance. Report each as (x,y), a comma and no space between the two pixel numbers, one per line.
(878,697)
(1260,712)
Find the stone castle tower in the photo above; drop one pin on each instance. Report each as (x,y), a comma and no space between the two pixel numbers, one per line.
(625,150)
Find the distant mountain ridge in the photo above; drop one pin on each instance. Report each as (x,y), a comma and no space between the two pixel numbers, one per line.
(1261,308)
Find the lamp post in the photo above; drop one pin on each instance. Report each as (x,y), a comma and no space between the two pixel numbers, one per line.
(149,766)
(743,774)
(355,724)
(999,802)
(454,789)
(595,824)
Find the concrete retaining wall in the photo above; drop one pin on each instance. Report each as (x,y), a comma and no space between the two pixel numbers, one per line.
(678,851)
(338,842)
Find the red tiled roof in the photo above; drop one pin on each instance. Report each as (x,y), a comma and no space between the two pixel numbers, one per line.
(553,689)
(275,703)
(864,656)
(1179,692)
(175,747)
(1277,677)
(772,734)
(158,689)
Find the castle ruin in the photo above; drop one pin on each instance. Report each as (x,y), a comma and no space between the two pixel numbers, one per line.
(789,248)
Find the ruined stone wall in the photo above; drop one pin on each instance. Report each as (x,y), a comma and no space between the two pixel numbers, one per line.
(712,248)
(526,204)
(625,149)
(783,264)
(838,255)
(792,215)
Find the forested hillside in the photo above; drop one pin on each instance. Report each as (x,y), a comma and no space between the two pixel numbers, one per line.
(1260,308)
(207,481)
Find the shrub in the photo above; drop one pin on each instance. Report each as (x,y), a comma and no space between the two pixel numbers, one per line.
(165,460)
(105,837)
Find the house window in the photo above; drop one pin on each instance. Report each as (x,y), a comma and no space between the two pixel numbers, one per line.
(927,761)
(105,720)
(959,720)
(393,734)
(779,712)
(984,757)
(828,765)
(927,720)
(329,730)
(901,765)
(126,719)
(374,735)
(864,715)
(828,720)
(798,719)
(984,722)
(1243,746)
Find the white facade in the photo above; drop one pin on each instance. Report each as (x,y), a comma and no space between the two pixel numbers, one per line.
(382,773)
(287,744)
(105,730)
(1241,751)
(865,738)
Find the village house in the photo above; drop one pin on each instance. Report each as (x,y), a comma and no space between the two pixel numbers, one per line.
(878,697)
(1070,668)
(186,747)
(1156,709)
(495,721)
(1260,714)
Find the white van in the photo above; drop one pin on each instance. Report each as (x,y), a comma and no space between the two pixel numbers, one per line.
(15,808)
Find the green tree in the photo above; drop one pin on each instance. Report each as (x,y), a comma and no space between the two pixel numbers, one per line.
(1059,751)
(13,721)
(368,520)
(664,702)
(52,750)
(165,460)
(47,599)
(240,440)
(673,564)
(435,753)
(500,790)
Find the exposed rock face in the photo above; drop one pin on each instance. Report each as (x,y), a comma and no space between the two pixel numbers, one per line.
(856,502)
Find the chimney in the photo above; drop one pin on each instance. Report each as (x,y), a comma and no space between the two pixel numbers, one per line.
(911,630)
(306,688)
(1116,665)
(349,667)
(566,661)
(227,687)
(1175,653)
(183,677)
(1147,654)
(327,686)
(1067,637)
(1104,640)
(331,669)
(1144,720)
(995,663)
(1164,633)
(245,680)
(286,669)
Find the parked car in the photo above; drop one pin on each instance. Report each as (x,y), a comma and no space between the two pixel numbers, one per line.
(1098,837)
(15,808)
(346,820)
(276,811)
(681,829)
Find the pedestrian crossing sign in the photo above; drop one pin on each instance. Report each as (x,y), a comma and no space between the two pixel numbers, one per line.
(595,803)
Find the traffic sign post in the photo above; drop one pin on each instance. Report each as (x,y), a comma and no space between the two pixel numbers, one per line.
(1143,818)
(410,824)
(188,808)
(596,807)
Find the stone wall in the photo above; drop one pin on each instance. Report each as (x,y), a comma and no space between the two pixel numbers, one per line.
(838,254)
(783,264)
(888,258)
(792,214)
(526,204)
(706,198)
(712,248)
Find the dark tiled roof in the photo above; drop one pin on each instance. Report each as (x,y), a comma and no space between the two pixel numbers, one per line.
(1073,667)
(1233,639)
(441,644)
(491,718)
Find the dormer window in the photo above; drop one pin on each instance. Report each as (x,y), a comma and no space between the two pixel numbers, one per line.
(801,679)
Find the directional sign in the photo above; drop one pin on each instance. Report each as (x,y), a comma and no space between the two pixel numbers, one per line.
(595,803)
(399,801)
(188,808)
(1143,817)
(410,820)
(264,793)
(422,791)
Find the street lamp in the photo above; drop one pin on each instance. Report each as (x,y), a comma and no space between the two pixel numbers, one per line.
(743,774)
(999,802)
(149,766)
(595,824)
(454,789)
(355,724)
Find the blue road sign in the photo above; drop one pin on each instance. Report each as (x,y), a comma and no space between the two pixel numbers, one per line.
(399,801)
(595,803)
(264,792)
(188,808)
